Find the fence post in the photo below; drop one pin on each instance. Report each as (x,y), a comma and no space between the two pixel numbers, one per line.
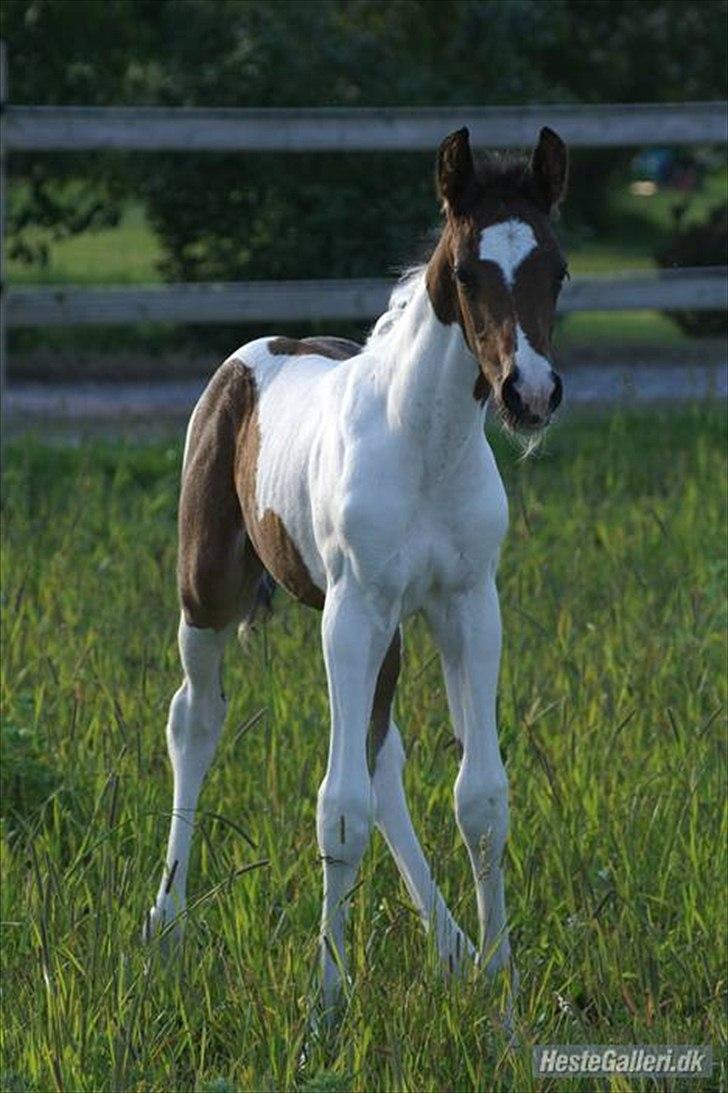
(3,199)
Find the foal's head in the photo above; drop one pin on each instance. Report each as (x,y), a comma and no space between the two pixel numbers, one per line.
(498,270)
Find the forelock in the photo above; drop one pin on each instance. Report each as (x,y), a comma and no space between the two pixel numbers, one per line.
(507,175)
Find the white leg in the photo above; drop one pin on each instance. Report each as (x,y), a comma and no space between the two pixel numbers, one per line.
(394,821)
(196,715)
(354,643)
(468,632)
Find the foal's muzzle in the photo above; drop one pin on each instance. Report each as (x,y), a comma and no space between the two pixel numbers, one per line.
(526,407)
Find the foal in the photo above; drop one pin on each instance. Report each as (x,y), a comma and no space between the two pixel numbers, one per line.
(360,478)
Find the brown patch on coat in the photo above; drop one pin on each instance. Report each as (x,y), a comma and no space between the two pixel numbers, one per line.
(383,698)
(337,349)
(283,559)
(272,541)
(443,293)
(536,313)
(217,567)
(440,283)
(481,388)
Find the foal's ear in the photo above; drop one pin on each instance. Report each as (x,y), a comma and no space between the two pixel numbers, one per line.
(550,167)
(456,179)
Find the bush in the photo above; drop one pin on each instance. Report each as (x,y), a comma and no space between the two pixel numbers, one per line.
(702,243)
(276,216)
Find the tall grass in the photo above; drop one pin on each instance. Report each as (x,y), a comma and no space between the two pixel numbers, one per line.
(612,703)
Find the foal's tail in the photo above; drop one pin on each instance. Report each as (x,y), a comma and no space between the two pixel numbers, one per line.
(261,607)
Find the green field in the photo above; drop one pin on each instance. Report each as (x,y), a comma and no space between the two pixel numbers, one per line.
(612,713)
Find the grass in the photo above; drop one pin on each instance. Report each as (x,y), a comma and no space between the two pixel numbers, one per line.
(126,254)
(612,702)
(615,330)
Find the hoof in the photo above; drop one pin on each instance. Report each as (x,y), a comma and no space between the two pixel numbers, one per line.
(165,926)
(507,1022)
(506,1018)
(322,1032)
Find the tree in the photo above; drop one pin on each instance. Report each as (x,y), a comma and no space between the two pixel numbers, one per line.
(71,51)
(232,216)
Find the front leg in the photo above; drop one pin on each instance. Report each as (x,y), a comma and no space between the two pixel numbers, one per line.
(354,643)
(467,630)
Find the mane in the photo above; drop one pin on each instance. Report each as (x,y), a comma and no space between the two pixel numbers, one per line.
(500,175)
(399,297)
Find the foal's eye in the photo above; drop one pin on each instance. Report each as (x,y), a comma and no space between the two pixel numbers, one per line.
(464,274)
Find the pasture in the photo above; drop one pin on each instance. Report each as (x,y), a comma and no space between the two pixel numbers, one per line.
(612,720)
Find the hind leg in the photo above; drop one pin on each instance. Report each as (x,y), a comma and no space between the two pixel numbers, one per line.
(218,572)
(196,716)
(393,819)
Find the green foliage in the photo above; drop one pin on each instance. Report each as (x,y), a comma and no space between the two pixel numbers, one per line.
(704,243)
(76,52)
(327,215)
(338,215)
(612,704)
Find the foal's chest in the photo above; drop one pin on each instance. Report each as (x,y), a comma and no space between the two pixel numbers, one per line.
(448,542)
(461,549)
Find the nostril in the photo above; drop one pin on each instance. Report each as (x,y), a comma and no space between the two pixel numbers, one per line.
(509,394)
(557,392)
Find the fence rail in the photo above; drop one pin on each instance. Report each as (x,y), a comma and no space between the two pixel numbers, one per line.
(154,129)
(268,301)
(178,129)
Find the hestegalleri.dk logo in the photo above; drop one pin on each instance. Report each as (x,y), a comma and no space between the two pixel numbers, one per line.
(684,1060)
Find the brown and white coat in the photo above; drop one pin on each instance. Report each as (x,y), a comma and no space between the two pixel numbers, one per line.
(361,479)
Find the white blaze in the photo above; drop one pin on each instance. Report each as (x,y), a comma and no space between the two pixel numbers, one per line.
(507,244)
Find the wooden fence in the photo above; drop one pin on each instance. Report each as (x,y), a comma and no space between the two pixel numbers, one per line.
(271,301)
(71,128)
(357,129)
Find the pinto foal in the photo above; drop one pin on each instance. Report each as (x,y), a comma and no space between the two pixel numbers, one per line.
(361,479)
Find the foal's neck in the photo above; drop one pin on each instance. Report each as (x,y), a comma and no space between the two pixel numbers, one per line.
(432,373)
